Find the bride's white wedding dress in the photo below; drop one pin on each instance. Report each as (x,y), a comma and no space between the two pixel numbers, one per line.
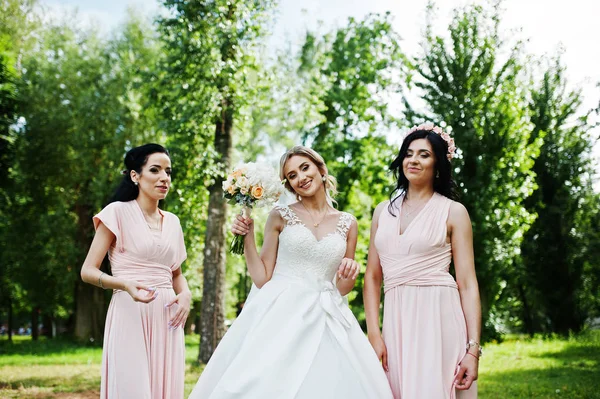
(296,337)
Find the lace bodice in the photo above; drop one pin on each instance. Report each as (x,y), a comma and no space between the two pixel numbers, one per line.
(300,254)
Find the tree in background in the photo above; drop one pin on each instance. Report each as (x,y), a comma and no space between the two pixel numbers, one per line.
(472,85)
(590,295)
(81,109)
(352,76)
(16,26)
(556,249)
(212,49)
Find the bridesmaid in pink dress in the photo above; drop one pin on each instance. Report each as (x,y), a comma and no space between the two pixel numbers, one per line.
(144,353)
(431,323)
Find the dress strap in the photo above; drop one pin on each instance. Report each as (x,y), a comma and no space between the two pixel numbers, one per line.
(288,215)
(344,224)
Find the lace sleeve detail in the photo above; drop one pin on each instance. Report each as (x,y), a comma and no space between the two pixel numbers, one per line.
(288,215)
(344,224)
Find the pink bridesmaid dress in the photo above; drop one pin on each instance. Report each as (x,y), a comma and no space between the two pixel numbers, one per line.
(424,327)
(141,357)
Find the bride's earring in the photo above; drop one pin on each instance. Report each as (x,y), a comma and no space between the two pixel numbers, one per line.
(324,179)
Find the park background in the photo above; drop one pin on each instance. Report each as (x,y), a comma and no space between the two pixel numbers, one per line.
(223,81)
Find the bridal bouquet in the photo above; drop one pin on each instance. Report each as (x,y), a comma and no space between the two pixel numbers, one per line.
(251,184)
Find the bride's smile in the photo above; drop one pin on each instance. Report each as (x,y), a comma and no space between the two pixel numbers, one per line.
(306,185)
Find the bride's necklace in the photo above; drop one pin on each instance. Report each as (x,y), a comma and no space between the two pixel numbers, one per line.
(315,224)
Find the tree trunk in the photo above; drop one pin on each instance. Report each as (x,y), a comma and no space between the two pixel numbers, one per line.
(90,307)
(212,316)
(48,322)
(189,322)
(10,318)
(192,324)
(527,315)
(90,314)
(197,305)
(35,332)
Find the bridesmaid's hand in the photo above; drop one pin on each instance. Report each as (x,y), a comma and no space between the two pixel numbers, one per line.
(184,300)
(467,372)
(242,226)
(349,269)
(135,289)
(380,349)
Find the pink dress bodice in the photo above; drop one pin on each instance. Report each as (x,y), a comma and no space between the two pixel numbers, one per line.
(421,255)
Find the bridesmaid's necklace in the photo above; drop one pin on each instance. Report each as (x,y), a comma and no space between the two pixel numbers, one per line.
(412,210)
(155,225)
(316,225)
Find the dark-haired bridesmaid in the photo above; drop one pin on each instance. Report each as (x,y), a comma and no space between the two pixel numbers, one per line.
(143,351)
(431,322)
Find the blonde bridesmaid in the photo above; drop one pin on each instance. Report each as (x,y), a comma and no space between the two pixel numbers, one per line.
(143,353)
(431,322)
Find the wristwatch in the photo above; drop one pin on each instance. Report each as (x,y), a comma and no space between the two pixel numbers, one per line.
(471,343)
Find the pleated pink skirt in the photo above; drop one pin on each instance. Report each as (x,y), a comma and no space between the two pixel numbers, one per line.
(142,358)
(424,330)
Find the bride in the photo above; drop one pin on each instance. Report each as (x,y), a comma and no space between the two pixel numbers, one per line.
(296,337)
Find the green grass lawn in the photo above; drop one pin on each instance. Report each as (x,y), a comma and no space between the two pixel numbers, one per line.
(63,369)
(542,368)
(517,368)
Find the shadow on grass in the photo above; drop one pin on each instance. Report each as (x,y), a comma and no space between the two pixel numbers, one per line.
(63,369)
(70,383)
(575,376)
(541,383)
(42,346)
(584,355)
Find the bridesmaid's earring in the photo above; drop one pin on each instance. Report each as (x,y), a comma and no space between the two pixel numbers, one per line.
(437,175)
(324,179)
(136,183)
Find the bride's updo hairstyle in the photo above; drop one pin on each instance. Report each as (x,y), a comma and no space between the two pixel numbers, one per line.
(330,182)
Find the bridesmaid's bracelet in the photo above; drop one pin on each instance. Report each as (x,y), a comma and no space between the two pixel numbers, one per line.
(476,357)
(100,280)
(471,343)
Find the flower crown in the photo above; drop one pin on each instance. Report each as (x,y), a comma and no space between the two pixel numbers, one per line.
(428,126)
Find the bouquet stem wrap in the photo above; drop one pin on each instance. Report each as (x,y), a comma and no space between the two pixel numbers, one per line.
(237,244)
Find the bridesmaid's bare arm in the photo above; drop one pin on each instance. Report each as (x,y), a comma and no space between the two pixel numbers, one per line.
(372,291)
(91,274)
(260,266)
(461,235)
(180,284)
(183,299)
(349,268)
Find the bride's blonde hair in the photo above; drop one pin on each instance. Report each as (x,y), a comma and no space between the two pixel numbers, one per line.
(330,182)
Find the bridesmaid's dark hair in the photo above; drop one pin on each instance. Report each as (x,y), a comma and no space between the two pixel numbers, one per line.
(442,183)
(135,159)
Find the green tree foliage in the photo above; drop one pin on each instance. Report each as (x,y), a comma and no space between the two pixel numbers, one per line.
(212,47)
(556,249)
(8,104)
(351,75)
(472,85)
(588,296)
(16,25)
